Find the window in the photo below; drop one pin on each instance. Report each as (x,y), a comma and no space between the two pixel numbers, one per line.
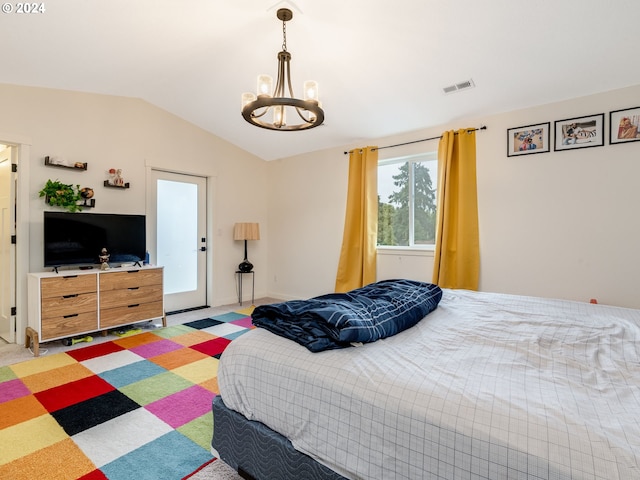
(407,200)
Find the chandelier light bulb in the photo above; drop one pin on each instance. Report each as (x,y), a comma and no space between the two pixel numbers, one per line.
(265,85)
(280,116)
(311,90)
(247,98)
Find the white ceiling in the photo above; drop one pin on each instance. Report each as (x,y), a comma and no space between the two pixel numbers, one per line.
(381,66)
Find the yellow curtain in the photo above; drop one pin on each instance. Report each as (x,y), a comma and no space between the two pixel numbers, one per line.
(457,251)
(357,265)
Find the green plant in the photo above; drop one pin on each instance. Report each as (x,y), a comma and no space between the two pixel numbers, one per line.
(62,195)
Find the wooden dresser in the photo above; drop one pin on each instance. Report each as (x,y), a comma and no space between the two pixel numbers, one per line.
(68,304)
(75,302)
(130,296)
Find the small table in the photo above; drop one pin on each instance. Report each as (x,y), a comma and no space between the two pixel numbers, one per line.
(239,277)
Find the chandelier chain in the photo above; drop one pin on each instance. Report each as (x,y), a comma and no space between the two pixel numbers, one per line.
(284,35)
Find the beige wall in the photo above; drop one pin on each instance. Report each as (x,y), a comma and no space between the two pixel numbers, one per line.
(108,131)
(558,224)
(561,224)
(307,197)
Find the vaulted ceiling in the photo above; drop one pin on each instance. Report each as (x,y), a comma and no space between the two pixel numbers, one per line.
(381,66)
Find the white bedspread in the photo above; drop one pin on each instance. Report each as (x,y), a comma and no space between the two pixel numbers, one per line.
(486,386)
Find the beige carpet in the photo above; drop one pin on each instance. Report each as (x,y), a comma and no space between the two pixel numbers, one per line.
(216,470)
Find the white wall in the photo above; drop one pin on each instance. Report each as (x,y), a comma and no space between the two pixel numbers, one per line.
(107,131)
(558,224)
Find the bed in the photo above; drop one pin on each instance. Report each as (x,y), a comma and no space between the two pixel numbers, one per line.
(485,386)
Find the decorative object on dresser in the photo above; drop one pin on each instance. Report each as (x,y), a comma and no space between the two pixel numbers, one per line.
(246,231)
(104,259)
(78,302)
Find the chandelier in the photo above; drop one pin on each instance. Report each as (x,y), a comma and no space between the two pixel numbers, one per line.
(288,113)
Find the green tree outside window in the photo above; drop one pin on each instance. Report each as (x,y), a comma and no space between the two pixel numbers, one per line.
(408,217)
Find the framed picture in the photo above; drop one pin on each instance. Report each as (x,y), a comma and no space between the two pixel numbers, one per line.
(624,125)
(528,139)
(580,132)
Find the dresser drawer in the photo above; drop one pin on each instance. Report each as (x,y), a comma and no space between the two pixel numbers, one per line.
(130,278)
(69,304)
(64,326)
(130,296)
(68,285)
(113,317)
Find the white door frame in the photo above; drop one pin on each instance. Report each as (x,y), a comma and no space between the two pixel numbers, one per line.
(22,155)
(8,270)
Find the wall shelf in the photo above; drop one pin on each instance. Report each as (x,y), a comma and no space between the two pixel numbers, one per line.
(87,203)
(108,185)
(75,166)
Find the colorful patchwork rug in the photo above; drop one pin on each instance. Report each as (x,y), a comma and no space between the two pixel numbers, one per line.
(137,407)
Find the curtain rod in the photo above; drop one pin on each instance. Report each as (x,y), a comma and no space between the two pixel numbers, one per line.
(424,139)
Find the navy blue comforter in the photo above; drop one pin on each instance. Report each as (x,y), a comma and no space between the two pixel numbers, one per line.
(337,320)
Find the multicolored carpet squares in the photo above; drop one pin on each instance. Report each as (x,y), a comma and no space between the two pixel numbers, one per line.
(138,407)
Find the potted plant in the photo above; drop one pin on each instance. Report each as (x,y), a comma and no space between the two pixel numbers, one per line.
(62,195)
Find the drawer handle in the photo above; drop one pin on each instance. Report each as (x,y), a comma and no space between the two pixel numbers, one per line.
(133,306)
(69,316)
(133,271)
(70,296)
(133,288)
(70,276)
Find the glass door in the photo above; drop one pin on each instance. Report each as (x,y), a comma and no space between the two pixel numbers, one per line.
(178,226)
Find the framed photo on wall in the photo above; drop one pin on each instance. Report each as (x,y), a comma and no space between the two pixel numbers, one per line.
(528,139)
(624,125)
(579,132)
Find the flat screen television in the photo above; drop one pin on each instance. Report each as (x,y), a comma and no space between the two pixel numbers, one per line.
(78,238)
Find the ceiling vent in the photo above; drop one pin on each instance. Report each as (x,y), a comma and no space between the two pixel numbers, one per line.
(459,86)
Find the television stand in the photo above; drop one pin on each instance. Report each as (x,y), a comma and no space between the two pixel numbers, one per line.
(77,302)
